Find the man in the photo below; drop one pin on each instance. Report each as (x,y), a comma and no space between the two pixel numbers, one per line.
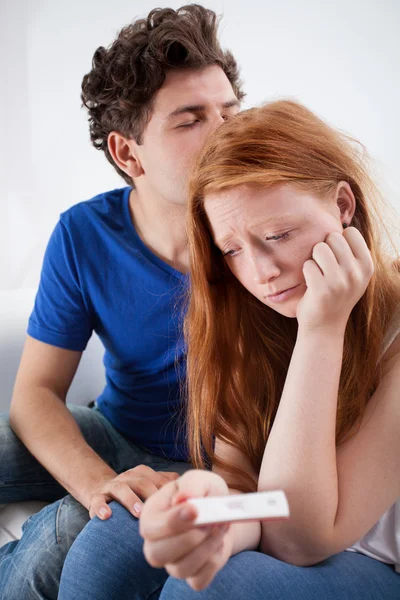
(117,265)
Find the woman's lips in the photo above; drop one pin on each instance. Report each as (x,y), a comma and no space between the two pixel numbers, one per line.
(284,295)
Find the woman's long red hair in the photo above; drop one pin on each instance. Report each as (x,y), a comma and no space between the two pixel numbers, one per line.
(239,349)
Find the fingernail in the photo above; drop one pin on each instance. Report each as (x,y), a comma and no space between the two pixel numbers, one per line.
(186,514)
(103,512)
(137,507)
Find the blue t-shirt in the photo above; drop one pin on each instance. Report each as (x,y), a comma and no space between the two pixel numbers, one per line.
(98,275)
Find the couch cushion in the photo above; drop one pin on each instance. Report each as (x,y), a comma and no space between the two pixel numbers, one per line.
(15,309)
(12,517)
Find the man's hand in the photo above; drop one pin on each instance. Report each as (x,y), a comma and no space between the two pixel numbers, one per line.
(129,489)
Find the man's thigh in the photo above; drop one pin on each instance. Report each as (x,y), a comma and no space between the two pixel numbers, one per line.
(107,561)
(32,569)
(22,477)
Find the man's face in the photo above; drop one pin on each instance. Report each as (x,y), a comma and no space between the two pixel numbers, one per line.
(186,109)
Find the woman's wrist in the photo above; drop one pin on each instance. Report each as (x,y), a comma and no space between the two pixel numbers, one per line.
(245,536)
(328,332)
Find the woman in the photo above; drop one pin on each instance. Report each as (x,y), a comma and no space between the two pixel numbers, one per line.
(286,325)
(293,373)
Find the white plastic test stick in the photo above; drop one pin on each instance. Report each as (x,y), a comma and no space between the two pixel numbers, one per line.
(241,507)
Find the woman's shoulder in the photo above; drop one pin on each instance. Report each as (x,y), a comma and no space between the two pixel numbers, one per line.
(391,339)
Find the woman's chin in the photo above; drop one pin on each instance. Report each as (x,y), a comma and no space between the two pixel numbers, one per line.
(289,312)
(287,309)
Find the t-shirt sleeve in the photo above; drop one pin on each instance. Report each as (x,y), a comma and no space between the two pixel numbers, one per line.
(60,317)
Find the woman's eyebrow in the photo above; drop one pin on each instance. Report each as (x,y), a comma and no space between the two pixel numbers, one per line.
(273,220)
(276,220)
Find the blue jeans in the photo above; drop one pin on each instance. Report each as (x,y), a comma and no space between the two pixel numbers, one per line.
(30,569)
(106,562)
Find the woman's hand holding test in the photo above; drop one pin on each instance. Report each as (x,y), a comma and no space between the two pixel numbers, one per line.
(173,542)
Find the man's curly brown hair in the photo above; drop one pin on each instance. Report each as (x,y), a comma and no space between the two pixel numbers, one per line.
(119,89)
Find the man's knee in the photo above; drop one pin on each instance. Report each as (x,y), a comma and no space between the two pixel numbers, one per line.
(33,569)
(71,518)
(116,545)
(121,531)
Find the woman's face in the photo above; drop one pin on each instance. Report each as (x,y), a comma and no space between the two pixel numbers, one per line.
(267,235)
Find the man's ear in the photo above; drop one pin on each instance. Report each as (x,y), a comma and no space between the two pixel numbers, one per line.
(345,202)
(124,154)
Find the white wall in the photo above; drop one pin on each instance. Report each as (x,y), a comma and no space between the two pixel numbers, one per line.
(340,58)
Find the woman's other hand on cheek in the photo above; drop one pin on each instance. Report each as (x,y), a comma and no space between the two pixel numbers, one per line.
(172,541)
(336,276)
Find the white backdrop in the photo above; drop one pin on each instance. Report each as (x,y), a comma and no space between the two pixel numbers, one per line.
(341,58)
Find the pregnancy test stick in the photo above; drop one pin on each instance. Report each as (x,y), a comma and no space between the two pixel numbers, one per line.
(241,507)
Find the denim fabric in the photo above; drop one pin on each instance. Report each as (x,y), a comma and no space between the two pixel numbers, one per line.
(106,562)
(30,569)
(256,576)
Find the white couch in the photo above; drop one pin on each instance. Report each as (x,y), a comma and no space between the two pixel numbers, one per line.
(15,308)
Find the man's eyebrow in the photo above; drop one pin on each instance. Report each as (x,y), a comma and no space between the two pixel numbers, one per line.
(197,108)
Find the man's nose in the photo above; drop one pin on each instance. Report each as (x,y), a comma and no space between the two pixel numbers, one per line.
(215,122)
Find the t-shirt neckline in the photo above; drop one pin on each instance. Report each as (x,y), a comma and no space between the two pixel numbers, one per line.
(145,250)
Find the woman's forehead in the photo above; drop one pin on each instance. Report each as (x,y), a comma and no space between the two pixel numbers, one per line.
(270,203)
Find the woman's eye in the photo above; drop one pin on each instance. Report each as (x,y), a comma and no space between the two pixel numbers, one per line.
(278,238)
(273,238)
(230,253)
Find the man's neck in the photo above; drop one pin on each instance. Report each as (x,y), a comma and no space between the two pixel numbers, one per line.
(162,227)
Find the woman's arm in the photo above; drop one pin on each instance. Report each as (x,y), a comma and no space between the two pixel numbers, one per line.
(335,497)
(246,535)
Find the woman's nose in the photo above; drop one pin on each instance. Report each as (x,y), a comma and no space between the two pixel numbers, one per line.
(265,269)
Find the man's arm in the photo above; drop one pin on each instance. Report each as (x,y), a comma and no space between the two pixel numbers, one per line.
(41,420)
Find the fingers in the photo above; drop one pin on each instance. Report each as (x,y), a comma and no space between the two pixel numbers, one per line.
(197,484)
(349,246)
(122,493)
(159,478)
(162,500)
(191,563)
(130,493)
(167,513)
(325,258)
(99,507)
(340,254)
(340,248)
(170,475)
(158,522)
(170,538)
(312,274)
(173,549)
(204,576)
(359,249)
(130,489)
